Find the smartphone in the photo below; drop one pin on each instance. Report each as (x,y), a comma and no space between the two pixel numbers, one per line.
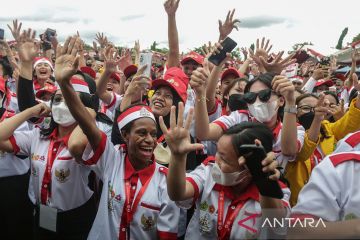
(2,34)
(228,45)
(49,33)
(146,59)
(253,155)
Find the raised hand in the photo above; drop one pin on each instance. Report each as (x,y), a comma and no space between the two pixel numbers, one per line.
(16,29)
(207,49)
(139,83)
(171,6)
(40,110)
(67,62)
(333,66)
(230,23)
(110,62)
(355,82)
(101,39)
(199,79)
(338,111)
(262,50)
(355,55)
(244,52)
(319,73)
(178,135)
(277,65)
(137,47)
(28,48)
(283,86)
(321,108)
(125,59)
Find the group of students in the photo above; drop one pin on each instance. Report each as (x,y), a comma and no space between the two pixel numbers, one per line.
(105,152)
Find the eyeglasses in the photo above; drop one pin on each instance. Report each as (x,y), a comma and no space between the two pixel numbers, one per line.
(306,108)
(264,96)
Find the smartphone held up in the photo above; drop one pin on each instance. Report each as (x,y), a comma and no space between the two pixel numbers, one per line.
(228,45)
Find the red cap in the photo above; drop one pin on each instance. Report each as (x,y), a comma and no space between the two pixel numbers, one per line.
(327,82)
(175,72)
(2,85)
(39,60)
(193,56)
(115,76)
(175,82)
(231,71)
(340,76)
(89,71)
(48,88)
(130,70)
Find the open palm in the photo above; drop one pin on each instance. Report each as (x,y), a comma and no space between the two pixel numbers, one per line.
(27,47)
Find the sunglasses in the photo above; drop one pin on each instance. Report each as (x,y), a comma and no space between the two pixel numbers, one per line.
(264,96)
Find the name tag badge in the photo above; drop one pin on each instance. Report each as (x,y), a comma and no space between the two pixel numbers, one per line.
(48,218)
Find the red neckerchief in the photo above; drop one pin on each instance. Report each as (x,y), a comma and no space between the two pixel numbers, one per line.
(131,177)
(54,149)
(224,226)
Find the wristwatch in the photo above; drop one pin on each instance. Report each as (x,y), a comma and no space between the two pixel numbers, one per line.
(292,109)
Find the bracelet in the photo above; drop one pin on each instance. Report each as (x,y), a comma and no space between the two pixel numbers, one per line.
(291,109)
(201,99)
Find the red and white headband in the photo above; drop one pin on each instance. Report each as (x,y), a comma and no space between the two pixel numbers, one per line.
(43,60)
(134,113)
(78,84)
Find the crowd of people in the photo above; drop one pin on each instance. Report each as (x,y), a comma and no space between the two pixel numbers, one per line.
(92,147)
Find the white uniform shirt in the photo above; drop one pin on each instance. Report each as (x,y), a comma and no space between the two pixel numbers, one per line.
(203,224)
(11,164)
(236,117)
(69,180)
(332,192)
(109,110)
(350,142)
(156,215)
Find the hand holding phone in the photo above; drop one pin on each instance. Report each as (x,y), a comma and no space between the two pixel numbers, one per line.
(254,154)
(228,45)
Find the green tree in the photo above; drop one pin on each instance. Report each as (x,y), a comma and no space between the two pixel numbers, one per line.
(356,38)
(341,39)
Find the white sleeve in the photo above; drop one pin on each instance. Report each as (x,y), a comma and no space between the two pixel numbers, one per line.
(321,196)
(309,85)
(235,117)
(22,140)
(102,159)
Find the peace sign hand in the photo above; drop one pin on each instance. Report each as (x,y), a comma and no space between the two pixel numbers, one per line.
(178,135)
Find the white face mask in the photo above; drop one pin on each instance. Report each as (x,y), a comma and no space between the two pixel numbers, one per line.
(228,179)
(263,112)
(62,115)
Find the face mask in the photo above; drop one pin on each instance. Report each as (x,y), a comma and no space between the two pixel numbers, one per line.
(263,112)
(62,115)
(236,102)
(306,119)
(228,179)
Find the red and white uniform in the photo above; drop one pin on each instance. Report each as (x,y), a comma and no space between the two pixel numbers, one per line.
(241,215)
(153,215)
(236,117)
(11,164)
(114,103)
(332,192)
(56,179)
(350,142)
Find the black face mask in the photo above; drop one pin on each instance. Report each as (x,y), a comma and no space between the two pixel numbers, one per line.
(237,102)
(306,119)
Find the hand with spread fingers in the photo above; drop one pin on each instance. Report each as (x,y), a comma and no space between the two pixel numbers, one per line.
(101,39)
(110,60)
(338,111)
(178,135)
(16,29)
(262,50)
(125,59)
(277,65)
(229,24)
(244,52)
(319,72)
(28,48)
(67,62)
(284,87)
(321,109)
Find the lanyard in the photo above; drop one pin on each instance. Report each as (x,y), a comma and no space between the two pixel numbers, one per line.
(223,231)
(131,208)
(46,183)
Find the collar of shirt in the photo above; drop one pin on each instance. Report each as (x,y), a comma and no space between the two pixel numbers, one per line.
(251,192)
(144,174)
(54,136)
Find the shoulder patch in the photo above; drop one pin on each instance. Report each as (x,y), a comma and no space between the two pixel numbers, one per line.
(343,157)
(163,170)
(208,160)
(354,139)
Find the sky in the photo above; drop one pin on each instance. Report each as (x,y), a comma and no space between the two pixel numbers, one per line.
(284,22)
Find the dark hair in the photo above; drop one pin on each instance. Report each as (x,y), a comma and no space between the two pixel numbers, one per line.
(265,78)
(230,86)
(353,94)
(248,132)
(7,69)
(332,94)
(306,95)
